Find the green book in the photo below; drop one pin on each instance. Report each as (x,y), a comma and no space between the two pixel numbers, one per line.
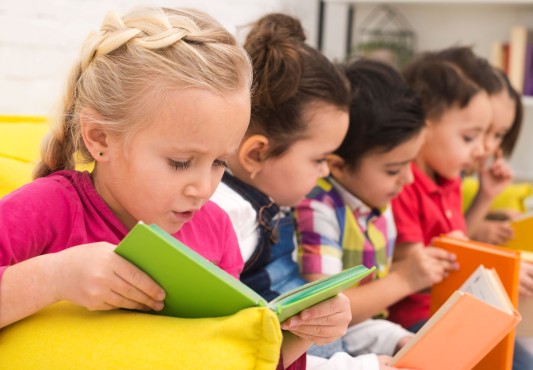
(196,288)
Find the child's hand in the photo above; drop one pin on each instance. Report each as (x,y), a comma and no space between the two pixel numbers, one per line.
(322,323)
(526,280)
(94,276)
(425,266)
(494,232)
(495,177)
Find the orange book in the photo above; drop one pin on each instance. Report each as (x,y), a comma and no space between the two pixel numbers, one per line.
(473,320)
(470,254)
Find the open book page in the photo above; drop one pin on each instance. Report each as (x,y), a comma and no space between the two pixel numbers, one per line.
(296,300)
(484,284)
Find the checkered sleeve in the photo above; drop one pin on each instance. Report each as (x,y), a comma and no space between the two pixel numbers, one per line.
(319,237)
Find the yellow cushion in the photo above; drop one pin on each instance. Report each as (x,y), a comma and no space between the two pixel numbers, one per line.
(66,336)
(20,146)
(511,198)
(20,143)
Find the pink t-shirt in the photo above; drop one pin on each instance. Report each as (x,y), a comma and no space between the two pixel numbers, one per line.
(64,210)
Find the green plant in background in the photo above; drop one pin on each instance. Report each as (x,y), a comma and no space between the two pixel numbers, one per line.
(391,40)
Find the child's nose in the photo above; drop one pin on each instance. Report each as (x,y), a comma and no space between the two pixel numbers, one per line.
(490,146)
(200,187)
(479,151)
(407,177)
(324,169)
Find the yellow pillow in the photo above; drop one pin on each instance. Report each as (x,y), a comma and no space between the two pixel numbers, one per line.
(20,143)
(66,336)
(511,198)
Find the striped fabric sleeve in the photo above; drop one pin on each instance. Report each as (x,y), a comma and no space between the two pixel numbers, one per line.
(319,233)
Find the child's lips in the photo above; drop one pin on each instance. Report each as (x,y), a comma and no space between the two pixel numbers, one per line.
(184,216)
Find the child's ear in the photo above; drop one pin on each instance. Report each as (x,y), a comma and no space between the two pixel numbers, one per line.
(252,152)
(94,135)
(337,166)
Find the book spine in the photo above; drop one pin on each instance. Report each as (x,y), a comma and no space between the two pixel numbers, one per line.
(528,73)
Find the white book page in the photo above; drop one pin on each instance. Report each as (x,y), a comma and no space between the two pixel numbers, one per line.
(486,288)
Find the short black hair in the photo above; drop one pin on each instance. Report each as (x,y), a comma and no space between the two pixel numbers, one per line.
(384,111)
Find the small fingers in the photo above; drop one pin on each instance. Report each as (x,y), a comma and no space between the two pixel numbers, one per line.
(131,293)
(139,285)
(318,334)
(338,304)
(441,254)
(116,300)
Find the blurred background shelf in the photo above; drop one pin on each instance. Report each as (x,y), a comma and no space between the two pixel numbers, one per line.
(437,25)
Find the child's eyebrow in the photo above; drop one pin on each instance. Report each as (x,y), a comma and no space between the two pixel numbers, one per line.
(479,129)
(394,164)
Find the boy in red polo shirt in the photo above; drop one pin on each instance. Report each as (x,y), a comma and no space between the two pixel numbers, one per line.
(458,112)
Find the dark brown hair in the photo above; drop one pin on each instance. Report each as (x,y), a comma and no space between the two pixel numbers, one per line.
(384,111)
(440,84)
(474,67)
(511,137)
(492,80)
(288,76)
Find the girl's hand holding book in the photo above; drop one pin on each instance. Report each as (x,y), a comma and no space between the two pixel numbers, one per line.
(322,323)
(92,275)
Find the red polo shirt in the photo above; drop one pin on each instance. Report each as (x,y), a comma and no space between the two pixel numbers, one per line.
(422,211)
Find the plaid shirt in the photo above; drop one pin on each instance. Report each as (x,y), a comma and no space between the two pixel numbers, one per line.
(337,231)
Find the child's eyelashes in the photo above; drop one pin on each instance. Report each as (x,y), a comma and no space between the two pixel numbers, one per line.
(393,172)
(184,165)
(320,161)
(468,139)
(179,166)
(220,163)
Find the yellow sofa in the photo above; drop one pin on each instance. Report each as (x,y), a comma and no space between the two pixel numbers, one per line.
(20,139)
(511,198)
(66,336)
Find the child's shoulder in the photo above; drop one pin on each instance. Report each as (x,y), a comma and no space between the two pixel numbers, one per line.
(47,189)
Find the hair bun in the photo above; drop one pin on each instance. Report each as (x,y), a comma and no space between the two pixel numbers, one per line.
(275,44)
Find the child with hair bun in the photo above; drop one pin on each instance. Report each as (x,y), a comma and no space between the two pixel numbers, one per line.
(299,117)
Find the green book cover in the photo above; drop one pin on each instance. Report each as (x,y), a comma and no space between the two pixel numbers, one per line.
(196,288)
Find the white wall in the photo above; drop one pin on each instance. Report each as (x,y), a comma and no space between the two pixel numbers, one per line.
(39,39)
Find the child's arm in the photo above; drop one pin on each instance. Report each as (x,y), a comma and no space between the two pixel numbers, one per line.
(320,324)
(492,180)
(376,336)
(493,232)
(526,279)
(90,275)
(420,268)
